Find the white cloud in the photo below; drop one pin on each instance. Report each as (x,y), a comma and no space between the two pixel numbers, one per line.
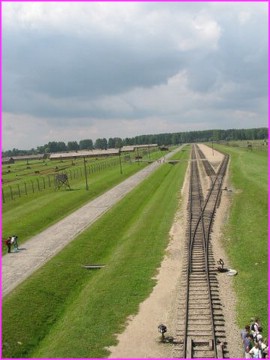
(73,17)
(244,17)
(101,69)
(115,19)
(208,30)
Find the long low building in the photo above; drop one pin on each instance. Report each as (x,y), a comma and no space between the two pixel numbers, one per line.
(84,153)
(98,152)
(11,160)
(130,148)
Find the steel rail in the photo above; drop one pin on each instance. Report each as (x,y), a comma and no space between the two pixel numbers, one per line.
(211,201)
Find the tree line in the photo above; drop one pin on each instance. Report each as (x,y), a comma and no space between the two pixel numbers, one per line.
(160,139)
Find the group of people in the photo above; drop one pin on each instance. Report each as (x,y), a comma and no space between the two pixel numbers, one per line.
(12,241)
(254,345)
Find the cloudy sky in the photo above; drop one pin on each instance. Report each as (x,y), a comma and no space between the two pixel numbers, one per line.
(73,71)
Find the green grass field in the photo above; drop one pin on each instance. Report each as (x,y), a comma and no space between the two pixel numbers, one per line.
(26,170)
(246,233)
(64,310)
(24,218)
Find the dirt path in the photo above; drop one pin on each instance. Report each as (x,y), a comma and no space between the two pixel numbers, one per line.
(16,267)
(141,338)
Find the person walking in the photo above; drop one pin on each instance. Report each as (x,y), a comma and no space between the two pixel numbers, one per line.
(8,243)
(14,242)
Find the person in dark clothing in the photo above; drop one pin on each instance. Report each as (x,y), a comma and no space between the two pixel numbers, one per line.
(8,243)
(248,344)
(244,333)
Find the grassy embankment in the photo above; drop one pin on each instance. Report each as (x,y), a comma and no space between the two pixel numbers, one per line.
(28,215)
(245,237)
(64,310)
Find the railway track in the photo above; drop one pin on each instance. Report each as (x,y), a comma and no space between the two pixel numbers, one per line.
(201,332)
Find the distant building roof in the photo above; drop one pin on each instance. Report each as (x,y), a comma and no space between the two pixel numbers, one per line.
(133,147)
(127,148)
(84,153)
(7,160)
(29,157)
(145,146)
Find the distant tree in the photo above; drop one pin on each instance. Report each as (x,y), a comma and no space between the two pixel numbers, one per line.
(61,146)
(127,141)
(52,147)
(111,143)
(104,144)
(118,143)
(160,139)
(41,149)
(86,144)
(73,145)
(175,139)
(152,139)
(262,134)
(101,144)
(216,135)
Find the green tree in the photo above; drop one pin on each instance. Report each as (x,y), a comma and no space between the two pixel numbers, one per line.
(73,145)
(86,144)
(101,144)
(118,143)
(111,143)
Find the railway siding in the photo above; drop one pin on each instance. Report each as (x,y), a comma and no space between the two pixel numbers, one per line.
(201,331)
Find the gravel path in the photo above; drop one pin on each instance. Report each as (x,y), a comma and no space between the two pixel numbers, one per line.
(141,339)
(16,267)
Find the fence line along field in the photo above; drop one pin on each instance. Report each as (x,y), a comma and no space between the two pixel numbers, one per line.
(22,215)
(25,177)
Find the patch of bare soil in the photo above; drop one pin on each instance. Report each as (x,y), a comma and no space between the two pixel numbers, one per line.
(141,339)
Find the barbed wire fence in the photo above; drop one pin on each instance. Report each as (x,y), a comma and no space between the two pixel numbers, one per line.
(47,182)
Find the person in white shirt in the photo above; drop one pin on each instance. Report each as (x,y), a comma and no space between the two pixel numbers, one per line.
(255,352)
(14,242)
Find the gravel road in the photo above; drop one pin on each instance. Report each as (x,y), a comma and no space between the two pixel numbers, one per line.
(16,267)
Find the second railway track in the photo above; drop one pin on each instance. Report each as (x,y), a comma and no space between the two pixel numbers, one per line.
(201,330)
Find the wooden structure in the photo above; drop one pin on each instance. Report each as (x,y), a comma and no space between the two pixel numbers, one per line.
(61,180)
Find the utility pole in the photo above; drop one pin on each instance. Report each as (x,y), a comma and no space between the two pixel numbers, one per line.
(138,160)
(85,173)
(120,163)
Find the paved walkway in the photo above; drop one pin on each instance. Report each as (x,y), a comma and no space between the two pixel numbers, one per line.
(16,267)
